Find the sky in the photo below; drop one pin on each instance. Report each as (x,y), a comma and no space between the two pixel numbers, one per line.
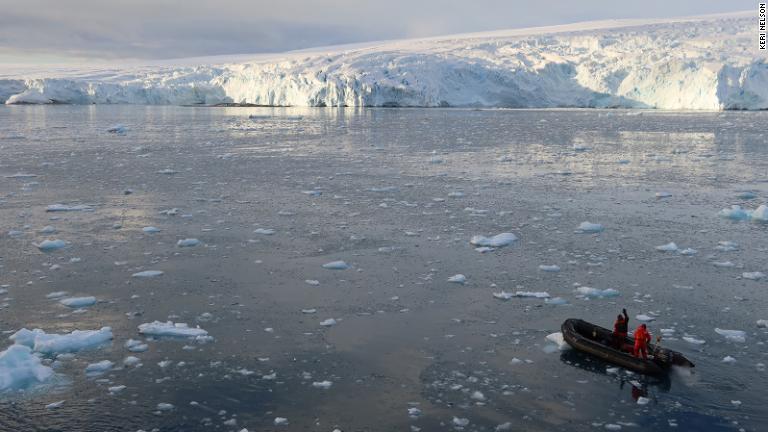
(56,31)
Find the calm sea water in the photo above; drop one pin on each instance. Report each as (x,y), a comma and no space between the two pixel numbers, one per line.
(396,194)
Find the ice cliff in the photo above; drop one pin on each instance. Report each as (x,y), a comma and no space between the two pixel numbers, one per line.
(706,63)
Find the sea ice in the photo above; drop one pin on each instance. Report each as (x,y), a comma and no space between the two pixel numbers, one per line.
(499,240)
(98,367)
(753,275)
(557,339)
(693,340)
(20,369)
(188,242)
(51,343)
(171,329)
(669,247)
(264,231)
(51,245)
(336,265)
(458,278)
(150,229)
(328,322)
(588,227)
(76,302)
(739,336)
(588,292)
(147,274)
(325,385)
(549,268)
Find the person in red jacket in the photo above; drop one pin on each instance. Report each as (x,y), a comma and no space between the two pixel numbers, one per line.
(620,329)
(642,337)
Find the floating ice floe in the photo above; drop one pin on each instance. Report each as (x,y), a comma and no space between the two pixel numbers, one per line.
(689,252)
(98,367)
(328,322)
(68,208)
(56,294)
(729,360)
(663,195)
(669,247)
(589,227)
(51,343)
(51,245)
(549,268)
(458,278)
(76,302)
(336,265)
(20,175)
(645,318)
(589,292)
(168,171)
(557,339)
(280,421)
(21,369)
(47,230)
(762,323)
(503,295)
(188,242)
(693,340)
(117,129)
(499,240)
(165,406)
(171,329)
(760,214)
(726,246)
(556,301)
(134,345)
(147,274)
(150,230)
(325,385)
(264,231)
(738,336)
(753,275)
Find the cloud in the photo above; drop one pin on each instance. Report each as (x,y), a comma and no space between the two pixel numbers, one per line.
(154,29)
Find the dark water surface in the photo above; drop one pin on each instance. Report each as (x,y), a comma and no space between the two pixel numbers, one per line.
(396,194)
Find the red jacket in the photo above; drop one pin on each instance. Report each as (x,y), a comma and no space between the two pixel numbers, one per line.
(642,337)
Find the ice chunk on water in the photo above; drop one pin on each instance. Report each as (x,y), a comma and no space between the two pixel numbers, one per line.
(147,274)
(589,292)
(503,295)
(51,343)
(499,240)
(549,268)
(739,336)
(760,214)
(20,369)
(171,329)
(76,302)
(589,227)
(336,265)
(150,229)
(645,318)
(557,339)
(51,245)
(753,275)
(280,421)
(325,385)
(264,231)
(188,242)
(669,247)
(734,213)
(328,322)
(458,278)
(693,340)
(762,323)
(98,367)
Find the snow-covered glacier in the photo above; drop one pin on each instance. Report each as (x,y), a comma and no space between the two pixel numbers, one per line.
(704,63)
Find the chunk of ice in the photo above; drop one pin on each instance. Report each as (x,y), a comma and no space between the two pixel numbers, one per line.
(458,278)
(51,245)
(589,227)
(147,274)
(20,369)
(76,302)
(739,336)
(171,329)
(51,343)
(499,240)
(336,265)
(188,242)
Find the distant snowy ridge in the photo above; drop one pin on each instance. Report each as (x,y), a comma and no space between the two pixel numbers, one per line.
(709,63)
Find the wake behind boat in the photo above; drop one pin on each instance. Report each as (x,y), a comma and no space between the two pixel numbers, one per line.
(600,342)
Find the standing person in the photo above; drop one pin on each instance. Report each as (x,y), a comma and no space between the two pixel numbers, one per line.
(642,337)
(620,329)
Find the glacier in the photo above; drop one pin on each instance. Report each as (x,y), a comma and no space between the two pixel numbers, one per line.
(700,63)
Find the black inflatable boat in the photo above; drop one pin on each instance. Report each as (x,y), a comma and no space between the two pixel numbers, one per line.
(600,342)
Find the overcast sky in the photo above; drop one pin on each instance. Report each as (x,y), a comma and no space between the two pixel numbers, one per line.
(40,31)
